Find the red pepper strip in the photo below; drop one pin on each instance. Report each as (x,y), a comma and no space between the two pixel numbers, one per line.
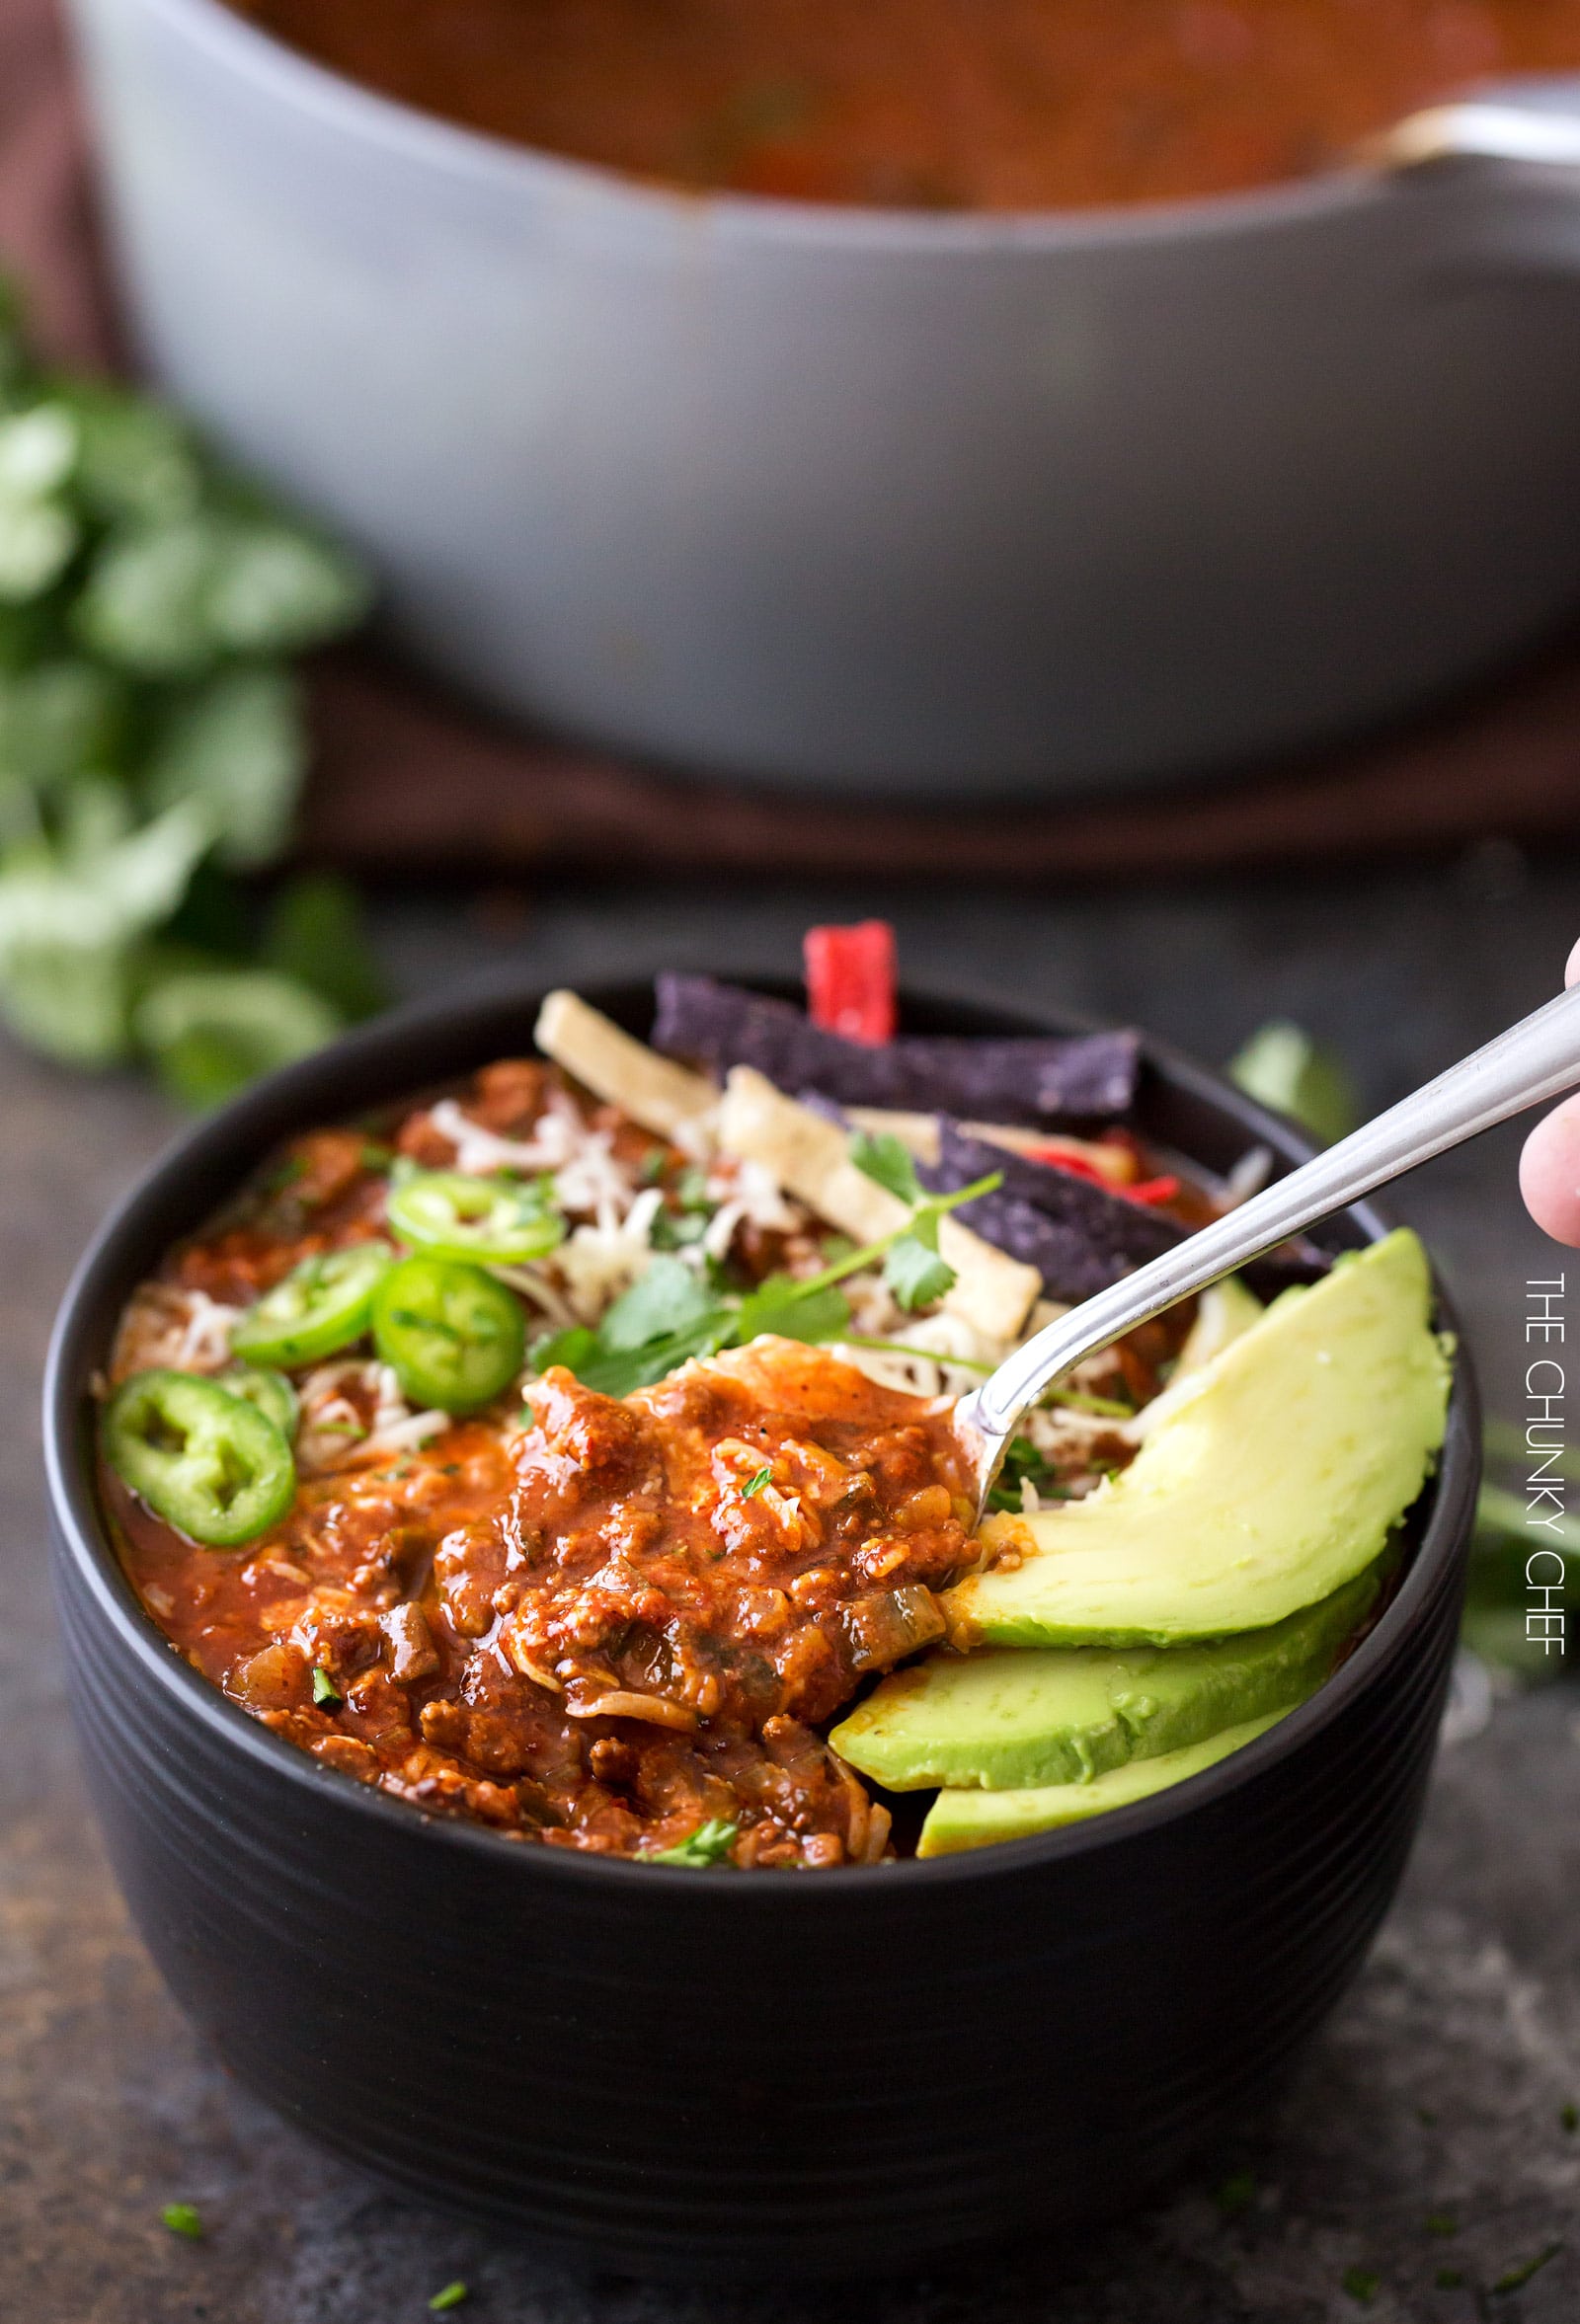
(1061,1159)
(1151,1189)
(850,980)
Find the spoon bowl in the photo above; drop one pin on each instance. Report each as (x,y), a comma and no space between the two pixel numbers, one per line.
(1536,1059)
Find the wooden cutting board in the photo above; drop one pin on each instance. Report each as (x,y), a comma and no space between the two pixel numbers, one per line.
(407,777)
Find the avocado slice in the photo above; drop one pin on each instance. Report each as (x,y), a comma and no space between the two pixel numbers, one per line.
(1222,1312)
(1272,1484)
(1005,1719)
(960,1820)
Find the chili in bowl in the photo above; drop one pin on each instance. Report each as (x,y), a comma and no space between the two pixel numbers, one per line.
(523,1683)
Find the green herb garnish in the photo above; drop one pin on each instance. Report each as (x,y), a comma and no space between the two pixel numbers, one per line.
(325,1691)
(450,2297)
(1024,1464)
(754,1485)
(1361,2285)
(1237,2194)
(673,1313)
(182,2220)
(152,743)
(888,1163)
(1449,2278)
(709,1844)
(1513,2278)
(1442,2223)
(1569,2117)
(913,1270)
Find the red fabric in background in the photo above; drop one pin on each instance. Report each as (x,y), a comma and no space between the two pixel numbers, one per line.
(408,778)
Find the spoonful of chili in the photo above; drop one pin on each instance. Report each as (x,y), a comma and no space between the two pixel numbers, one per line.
(1535,1059)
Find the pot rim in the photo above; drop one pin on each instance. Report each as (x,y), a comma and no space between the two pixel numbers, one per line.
(294,1093)
(430,139)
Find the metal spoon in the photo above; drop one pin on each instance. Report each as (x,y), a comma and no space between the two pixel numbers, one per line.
(1535,1059)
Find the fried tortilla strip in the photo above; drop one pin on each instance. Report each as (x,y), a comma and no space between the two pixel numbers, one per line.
(661,1096)
(809,1157)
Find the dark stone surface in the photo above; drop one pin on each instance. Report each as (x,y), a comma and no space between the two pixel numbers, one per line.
(1437,2090)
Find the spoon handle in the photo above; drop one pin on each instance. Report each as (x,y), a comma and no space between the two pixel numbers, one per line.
(1535,1059)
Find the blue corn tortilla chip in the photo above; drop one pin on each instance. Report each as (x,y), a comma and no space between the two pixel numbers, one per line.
(1080,1237)
(1027,1082)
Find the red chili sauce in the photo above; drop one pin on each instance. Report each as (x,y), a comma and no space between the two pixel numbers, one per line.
(983,104)
(589,1622)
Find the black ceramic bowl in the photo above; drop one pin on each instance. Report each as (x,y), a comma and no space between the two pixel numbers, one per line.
(719,2072)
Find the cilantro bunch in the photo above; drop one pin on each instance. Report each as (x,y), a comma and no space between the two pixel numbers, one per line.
(674,1312)
(152,746)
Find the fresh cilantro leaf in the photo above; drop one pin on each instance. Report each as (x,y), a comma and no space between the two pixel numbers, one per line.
(780,1305)
(1022,1460)
(1238,2191)
(616,1371)
(316,933)
(619,1372)
(143,598)
(669,1298)
(912,1268)
(1513,2278)
(572,1348)
(276,587)
(135,460)
(887,1162)
(170,600)
(37,454)
(679,1230)
(70,913)
(143,606)
(325,1691)
(1362,2286)
(754,1485)
(236,745)
(210,1032)
(182,2220)
(709,1844)
(58,718)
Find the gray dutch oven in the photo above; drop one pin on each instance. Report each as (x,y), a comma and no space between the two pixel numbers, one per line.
(927,504)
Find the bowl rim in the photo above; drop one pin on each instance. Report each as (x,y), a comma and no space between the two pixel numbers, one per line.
(272,66)
(293,1095)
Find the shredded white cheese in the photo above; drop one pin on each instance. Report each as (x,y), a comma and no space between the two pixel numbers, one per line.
(336,1435)
(168,1328)
(596,1263)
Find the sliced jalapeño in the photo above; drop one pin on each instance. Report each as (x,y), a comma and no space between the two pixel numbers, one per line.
(500,1222)
(209,1464)
(322,1305)
(452,1335)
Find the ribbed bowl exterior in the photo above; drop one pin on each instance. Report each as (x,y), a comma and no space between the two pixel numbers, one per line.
(688,2073)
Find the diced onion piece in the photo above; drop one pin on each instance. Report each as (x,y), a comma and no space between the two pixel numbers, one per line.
(883,1629)
(653,1708)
